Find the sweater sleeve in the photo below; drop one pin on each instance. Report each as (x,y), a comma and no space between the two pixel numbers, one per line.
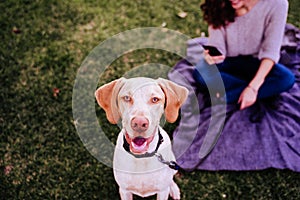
(274,31)
(216,37)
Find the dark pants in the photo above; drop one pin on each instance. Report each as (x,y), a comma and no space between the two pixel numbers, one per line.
(237,72)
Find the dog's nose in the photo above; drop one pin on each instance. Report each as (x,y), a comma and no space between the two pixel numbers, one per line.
(139,124)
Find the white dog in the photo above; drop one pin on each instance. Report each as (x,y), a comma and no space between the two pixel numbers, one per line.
(143,149)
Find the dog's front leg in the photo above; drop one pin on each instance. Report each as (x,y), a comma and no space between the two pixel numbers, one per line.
(163,195)
(125,195)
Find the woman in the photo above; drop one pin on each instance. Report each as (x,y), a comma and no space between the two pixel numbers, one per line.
(249,34)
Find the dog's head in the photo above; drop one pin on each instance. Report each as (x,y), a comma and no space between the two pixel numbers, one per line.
(140,103)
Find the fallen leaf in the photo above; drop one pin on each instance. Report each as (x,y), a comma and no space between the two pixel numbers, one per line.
(182,14)
(8,169)
(55,92)
(164,24)
(16,30)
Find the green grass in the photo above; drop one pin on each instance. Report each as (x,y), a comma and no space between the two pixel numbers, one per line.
(43,44)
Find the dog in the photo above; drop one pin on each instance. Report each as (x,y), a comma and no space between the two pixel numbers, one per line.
(143,156)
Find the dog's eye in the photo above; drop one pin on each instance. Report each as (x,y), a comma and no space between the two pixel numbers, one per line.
(155,100)
(127,98)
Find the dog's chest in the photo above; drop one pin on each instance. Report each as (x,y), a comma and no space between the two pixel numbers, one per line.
(146,183)
(143,176)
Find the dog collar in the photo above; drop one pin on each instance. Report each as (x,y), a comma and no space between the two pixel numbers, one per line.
(126,146)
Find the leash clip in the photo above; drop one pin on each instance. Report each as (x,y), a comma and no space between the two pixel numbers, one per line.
(171,164)
(161,159)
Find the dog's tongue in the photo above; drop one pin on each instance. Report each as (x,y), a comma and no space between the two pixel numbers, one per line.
(139,141)
(139,145)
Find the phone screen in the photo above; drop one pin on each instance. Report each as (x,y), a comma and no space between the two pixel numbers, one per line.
(213,51)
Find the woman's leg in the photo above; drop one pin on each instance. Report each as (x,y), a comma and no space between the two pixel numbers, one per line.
(217,80)
(233,87)
(236,74)
(279,79)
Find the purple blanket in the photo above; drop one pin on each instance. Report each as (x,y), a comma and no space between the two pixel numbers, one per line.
(265,135)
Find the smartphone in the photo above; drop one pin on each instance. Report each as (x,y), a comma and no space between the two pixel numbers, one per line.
(213,51)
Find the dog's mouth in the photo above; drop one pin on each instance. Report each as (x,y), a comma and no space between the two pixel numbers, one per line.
(138,145)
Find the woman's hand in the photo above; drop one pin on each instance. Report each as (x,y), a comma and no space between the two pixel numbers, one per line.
(212,59)
(247,97)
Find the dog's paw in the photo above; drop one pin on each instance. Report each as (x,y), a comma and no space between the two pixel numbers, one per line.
(174,191)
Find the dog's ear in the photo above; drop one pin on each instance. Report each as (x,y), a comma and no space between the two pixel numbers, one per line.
(106,97)
(175,97)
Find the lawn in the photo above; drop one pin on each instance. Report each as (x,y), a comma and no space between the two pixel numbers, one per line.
(43,44)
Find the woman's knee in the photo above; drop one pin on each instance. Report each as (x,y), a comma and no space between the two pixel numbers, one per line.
(290,80)
(286,77)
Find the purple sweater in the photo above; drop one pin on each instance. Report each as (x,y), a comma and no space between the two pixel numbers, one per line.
(259,32)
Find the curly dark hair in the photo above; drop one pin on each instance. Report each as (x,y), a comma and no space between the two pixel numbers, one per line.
(218,13)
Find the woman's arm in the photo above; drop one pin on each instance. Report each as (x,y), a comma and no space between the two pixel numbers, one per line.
(217,39)
(269,52)
(264,69)
(274,31)
(249,95)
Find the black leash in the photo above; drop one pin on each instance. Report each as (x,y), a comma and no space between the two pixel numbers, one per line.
(171,164)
